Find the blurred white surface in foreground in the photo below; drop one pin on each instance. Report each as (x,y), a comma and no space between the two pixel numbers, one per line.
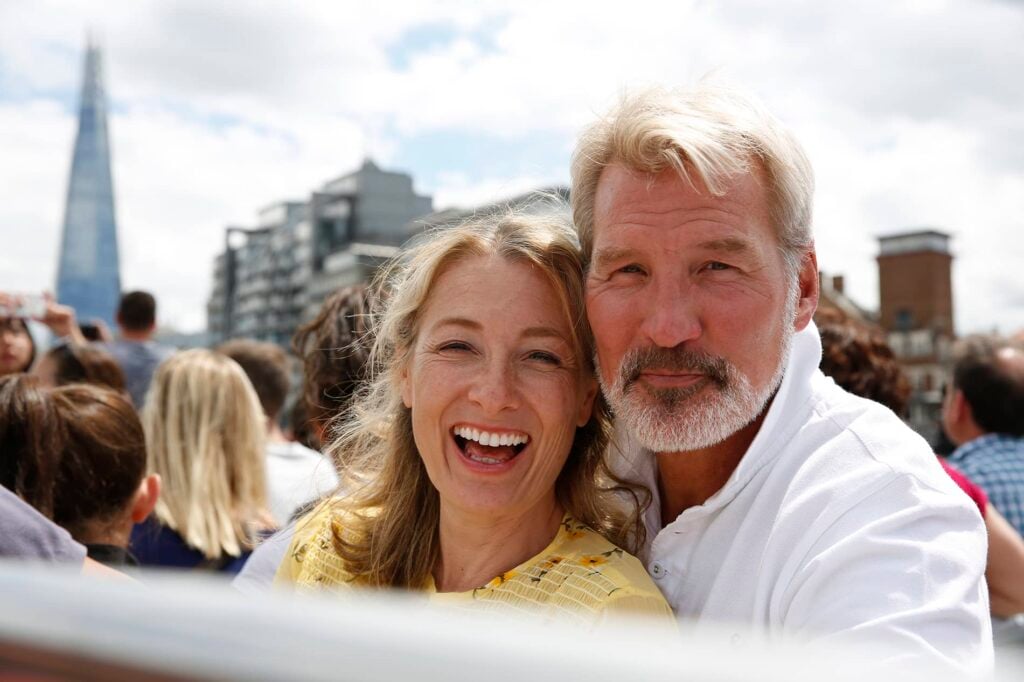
(179,626)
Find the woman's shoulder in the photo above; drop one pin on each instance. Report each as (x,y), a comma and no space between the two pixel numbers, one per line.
(580,577)
(312,557)
(594,557)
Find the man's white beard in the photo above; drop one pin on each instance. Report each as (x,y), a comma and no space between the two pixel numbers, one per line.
(681,420)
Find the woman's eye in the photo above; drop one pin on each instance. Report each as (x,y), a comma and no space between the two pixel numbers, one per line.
(546,358)
(454,346)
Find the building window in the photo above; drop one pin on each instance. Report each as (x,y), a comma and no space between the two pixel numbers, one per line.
(904,319)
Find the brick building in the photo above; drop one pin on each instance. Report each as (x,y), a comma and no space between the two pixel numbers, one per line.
(916,312)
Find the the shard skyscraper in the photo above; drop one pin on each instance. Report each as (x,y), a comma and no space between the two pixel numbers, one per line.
(89,275)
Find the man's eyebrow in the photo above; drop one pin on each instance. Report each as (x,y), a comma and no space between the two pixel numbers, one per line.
(603,257)
(727,244)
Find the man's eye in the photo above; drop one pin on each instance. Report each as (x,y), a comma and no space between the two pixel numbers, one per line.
(717,266)
(631,269)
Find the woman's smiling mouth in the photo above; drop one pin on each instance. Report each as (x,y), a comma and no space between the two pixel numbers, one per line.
(489,448)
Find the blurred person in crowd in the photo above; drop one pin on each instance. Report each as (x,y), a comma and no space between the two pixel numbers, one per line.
(31,439)
(72,363)
(334,348)
(17,348)
(474,461)
(101,487)
(77,456)
(296,475)
(27,535)
(135,350)
(300,427)
(861,362)
(983,413)
(96,331)
(205,438)
(782,501)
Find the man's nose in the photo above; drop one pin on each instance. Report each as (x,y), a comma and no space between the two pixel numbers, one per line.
(495,389)
(673,316)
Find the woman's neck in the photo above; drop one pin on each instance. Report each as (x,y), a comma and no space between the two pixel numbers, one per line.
(474,550)
(116,533)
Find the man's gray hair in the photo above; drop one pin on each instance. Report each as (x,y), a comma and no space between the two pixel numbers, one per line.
(713,132)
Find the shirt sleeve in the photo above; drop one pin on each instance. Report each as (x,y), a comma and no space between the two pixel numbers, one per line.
(973,490)
(902,571)
(27,534)
(257,576)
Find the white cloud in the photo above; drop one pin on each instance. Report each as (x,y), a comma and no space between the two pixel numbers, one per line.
(909,110)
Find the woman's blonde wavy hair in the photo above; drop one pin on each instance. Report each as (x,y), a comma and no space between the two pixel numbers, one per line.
(386,527)
(205,435)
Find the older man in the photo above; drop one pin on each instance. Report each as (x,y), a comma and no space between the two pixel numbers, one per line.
(781,501)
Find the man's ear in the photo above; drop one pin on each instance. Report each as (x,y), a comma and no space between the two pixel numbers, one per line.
(808,288)
(587,404)
(959,409)
(145,498)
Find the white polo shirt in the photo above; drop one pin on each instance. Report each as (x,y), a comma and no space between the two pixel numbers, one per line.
(838,524)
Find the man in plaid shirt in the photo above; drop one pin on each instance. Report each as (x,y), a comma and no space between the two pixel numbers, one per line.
(983,414)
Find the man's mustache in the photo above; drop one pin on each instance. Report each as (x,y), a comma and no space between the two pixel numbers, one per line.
(676,359)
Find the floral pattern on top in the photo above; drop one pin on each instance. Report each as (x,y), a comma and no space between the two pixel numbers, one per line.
(578,578)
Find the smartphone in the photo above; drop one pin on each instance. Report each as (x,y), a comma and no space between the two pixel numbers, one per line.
(30,306)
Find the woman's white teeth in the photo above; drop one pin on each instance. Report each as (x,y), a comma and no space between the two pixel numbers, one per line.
(491,439)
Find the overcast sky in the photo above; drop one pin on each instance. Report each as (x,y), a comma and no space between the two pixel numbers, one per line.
(912,114)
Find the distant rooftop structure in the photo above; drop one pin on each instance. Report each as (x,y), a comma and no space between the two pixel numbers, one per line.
(916,241)
(89,273)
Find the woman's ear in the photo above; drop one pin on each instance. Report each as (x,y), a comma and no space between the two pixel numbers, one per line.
(145,498)
(406,388)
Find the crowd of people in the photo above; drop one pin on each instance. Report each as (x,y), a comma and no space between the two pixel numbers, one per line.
(629,413)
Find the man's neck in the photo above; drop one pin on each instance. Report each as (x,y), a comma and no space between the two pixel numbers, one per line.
(135,335)
(688,479)
(969,431)
(475,550)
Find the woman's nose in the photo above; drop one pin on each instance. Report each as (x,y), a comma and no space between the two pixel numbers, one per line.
(495,389)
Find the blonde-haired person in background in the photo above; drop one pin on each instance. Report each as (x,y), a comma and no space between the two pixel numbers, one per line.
(473,461)
(205,438)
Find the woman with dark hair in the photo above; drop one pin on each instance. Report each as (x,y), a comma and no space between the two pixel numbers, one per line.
(74,363)
(31,440)
(77,454)
(101,488)
(17,349)
(334,348)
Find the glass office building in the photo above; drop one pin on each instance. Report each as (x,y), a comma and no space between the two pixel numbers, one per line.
(88,275)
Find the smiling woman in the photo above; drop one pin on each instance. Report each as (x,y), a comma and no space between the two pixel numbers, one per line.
(474,458)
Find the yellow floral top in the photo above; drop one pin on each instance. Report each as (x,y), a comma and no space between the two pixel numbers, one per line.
(579,578)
